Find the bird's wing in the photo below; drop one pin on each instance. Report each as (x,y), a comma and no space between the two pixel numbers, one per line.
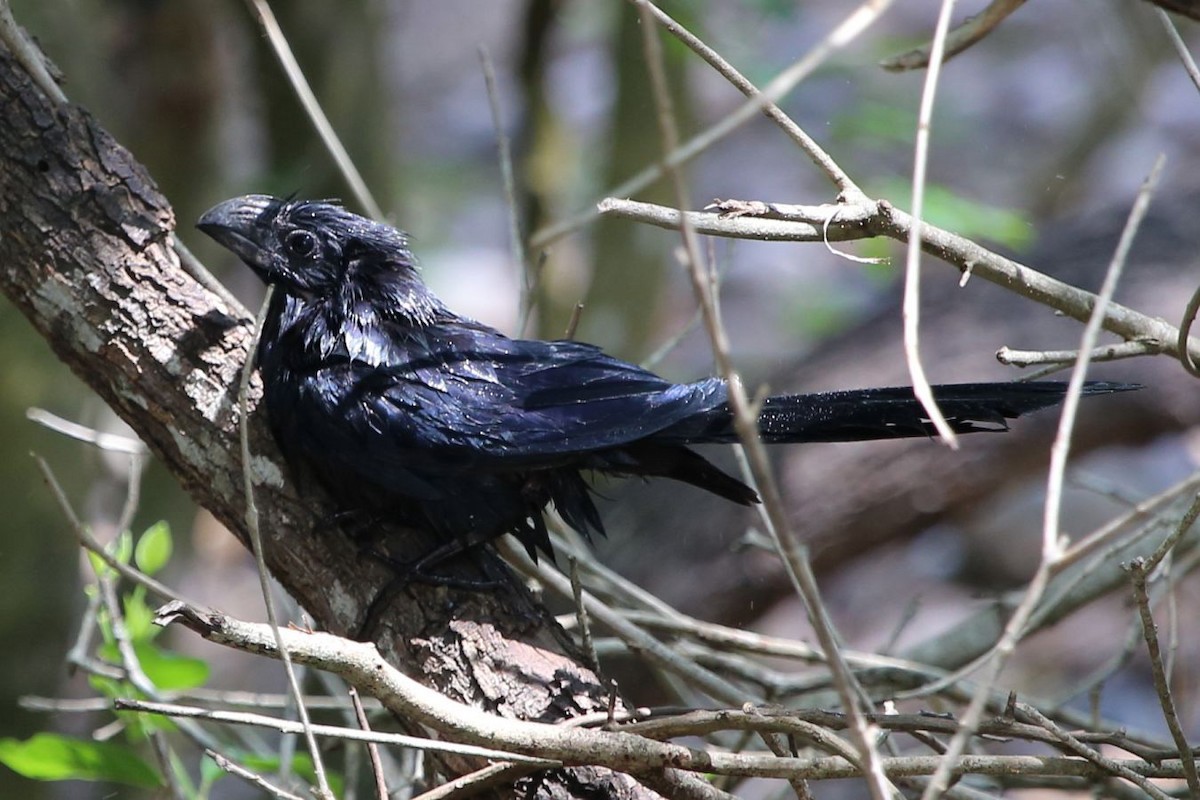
(476,400)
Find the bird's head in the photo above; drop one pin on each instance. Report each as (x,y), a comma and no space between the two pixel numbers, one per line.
(312,249)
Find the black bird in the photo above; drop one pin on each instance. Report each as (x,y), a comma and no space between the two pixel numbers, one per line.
(404,409)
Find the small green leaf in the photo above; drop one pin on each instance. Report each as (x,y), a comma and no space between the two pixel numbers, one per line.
(302,766)
(122,547)
(154,548)
(99,567)
(166,670)
(109,687)
(139,617)
(50,757)
(964,216)
(170,670)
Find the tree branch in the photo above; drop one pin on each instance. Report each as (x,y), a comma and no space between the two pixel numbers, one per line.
(86,256)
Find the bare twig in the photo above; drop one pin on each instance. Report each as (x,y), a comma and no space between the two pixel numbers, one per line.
(30,56)
(134,448)
(1181,49)
(251,777)
(962,37)
(516,247)
(1139,572)
(585,626)
(92,545)
(360,664)
(372,750)
(745,420)
(325,731)
(911,310)
(1185,326)
(491,776)
(1052,547)
(256,546)
(113,442)
(1063,358)
(777,89)
(706,680)
(1072,743)
(312,107)
(106,596)
(138,678)
(798,223)
(846,187)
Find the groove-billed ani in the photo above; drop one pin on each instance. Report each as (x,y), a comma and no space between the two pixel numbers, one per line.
(402,408)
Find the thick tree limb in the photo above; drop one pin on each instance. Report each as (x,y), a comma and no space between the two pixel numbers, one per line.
(85,254)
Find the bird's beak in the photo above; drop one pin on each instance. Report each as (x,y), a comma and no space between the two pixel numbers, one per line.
(239,224)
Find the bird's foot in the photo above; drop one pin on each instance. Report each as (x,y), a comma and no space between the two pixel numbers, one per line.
(406,573)
(360,526)
(420,570)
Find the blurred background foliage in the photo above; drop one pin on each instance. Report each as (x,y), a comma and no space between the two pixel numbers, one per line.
(1062,109)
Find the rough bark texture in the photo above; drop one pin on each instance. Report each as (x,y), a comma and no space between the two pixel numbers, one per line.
(85,254)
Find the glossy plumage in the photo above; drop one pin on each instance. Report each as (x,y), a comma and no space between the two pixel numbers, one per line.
(401,407)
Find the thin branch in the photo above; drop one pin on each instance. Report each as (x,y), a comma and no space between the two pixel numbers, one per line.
(1181,49)
(312,107)
(372,749)
(1062,358)
(581,615)
(745,419)
(1168,544)
(516,249)
(252,526)
(360,664)
(778,88)
(1052,548)
(289,726)
(112,442)
(911,310)
(1073,744)
(134,448)
(846,186)
(106,596)
(1185,328)
(492,776)
(253,778)
(29,55)
(1139,573)
(880,218)
(716,686)
(973,30)
(93,545)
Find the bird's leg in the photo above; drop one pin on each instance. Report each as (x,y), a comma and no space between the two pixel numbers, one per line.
(407,572)
(360,525)
(419,570)
(363,527)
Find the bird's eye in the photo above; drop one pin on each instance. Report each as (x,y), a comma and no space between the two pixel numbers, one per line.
(301,244)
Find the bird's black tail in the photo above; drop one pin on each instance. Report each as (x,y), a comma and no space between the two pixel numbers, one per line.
(862,414)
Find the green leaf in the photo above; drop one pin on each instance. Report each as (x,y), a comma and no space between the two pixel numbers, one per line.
(99,567)
(170,670)
(966,217)
(154,548)
(122,547)
(139,617)
(302,766)
(109,687)
(166,670)
(50,757)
